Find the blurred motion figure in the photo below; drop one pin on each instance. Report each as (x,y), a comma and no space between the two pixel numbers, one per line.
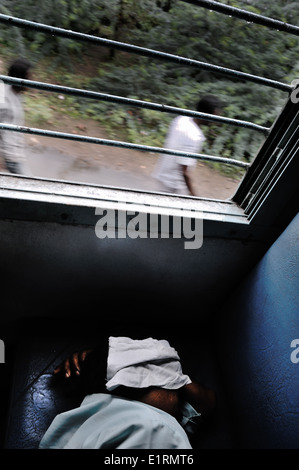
(185,134)
(12,143)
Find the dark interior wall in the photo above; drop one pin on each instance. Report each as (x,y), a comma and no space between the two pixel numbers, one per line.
(60,279)
(259,322)
(60,270)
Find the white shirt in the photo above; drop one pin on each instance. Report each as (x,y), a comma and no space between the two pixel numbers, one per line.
(11,112)
(183,135)
(105,421)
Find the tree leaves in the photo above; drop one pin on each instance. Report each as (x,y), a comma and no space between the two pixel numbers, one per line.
(179,28)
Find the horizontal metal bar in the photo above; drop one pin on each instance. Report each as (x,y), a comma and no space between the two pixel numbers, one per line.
(55,31)
(246,15)
(115,143)
(132,102)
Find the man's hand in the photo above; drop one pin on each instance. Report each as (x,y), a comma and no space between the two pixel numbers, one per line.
(72,365)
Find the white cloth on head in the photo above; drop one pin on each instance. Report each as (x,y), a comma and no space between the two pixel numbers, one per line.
(143,363)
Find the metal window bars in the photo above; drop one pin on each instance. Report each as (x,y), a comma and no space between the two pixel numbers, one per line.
(212,5)
(248,16)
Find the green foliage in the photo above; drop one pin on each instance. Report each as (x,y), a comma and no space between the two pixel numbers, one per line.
(175,27)
(37,110)
(85,16)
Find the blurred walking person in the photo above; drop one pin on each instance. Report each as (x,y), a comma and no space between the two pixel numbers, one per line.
(12,144)
(185,134)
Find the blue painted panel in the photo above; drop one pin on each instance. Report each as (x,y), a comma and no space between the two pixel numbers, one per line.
(262,319)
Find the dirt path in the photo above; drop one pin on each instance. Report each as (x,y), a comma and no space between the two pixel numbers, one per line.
(99,164)
(105,165)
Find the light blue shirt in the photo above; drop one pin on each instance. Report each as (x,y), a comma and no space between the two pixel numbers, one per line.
(105,421)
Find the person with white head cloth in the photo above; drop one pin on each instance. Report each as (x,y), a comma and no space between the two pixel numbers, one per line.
(144,402)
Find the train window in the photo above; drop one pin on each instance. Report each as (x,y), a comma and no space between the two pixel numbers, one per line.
(252,196)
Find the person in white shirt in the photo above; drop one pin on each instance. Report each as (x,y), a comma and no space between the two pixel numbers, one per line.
(12,144)
(173,172)
(136,396)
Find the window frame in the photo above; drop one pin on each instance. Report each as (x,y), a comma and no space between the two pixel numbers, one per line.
(268,193)
(262,206)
